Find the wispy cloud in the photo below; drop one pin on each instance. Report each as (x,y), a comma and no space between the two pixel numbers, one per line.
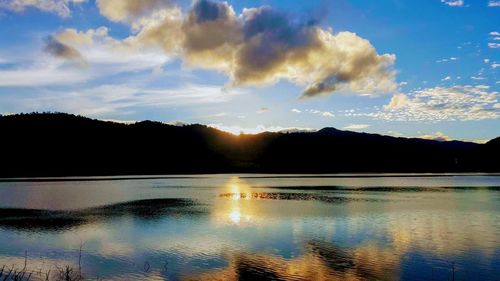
(42,75)
(108,100)
(357,127)
(59,7)
(72,57)
(447,59)
(453,3)
(320,113)
(492,3)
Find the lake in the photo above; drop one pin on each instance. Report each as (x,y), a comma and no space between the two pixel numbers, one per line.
(255,227)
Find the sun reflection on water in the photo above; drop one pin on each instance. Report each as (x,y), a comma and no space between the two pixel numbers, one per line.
(239,209)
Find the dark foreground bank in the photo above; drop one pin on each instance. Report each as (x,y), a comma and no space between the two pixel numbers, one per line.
(67,145)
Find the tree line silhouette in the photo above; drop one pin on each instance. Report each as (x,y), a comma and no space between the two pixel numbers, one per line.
(58,144)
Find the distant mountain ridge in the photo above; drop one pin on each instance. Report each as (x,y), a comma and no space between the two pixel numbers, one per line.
(58,144)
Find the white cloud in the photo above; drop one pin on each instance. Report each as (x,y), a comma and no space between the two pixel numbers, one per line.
(446,78)
(494,45)
(59,7)
(477,78)
(108,55)
(397,101)
(118,99)
(438,136)
(357,127)
(73,56)
(492,3)
(459,103)
(38,75)
(320,113)
(453,3)
(296,110)
(447,59)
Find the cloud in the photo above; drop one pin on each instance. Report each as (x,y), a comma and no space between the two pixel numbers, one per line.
(494,45)
(296,110)
(260,46)
(437,136)
(321,113)
(59,7)
(47,75)
(447,59)
(118,100)
(447,78)
(92,54)
(494,3)
(103,54)
(357,127)
(61,50)
(398,101)
(81,38)
(129,10)
(459,103)
(263,110)
(453,3)
(477,78)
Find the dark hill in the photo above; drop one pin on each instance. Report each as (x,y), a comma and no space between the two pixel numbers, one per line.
(63,145)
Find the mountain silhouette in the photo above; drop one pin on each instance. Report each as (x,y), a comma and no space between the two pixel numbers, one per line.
(58,144)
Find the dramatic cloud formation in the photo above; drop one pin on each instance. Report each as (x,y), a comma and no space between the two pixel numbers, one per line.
(459,103)
(60,7)
(258,47)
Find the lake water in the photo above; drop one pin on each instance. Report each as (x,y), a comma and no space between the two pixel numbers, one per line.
(255,227)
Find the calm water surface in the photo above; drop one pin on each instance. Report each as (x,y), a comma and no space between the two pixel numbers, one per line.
(256,227)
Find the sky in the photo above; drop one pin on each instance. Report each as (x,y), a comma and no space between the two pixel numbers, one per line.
(396,67)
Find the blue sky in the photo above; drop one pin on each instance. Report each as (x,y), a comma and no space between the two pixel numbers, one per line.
(404,68)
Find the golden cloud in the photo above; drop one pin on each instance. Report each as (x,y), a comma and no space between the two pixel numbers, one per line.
(260,46)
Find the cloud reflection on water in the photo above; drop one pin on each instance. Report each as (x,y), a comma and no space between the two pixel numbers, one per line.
(278,236)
